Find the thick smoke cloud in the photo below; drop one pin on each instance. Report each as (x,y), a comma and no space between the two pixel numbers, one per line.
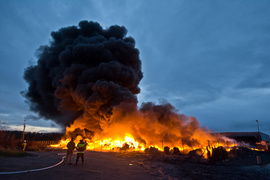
(87,80)
(84,72)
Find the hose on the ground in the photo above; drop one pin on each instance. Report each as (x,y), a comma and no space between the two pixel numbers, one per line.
(33,170)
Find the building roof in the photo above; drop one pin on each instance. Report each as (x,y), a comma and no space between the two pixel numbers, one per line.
(263,136)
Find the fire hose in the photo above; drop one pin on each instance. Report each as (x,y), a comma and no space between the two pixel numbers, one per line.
(33,170)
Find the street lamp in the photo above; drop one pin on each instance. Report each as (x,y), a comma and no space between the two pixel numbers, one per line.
(258,130)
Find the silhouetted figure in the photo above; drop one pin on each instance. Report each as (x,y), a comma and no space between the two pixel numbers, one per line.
(81,147)
(24,145)
(70,148)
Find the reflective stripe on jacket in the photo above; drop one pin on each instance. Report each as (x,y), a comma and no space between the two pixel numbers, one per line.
(81,147)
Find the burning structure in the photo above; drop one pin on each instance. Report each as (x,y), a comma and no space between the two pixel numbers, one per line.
(87,80)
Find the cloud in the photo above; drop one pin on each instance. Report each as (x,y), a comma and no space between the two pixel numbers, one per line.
(199,55)
(258,79)
(30,128)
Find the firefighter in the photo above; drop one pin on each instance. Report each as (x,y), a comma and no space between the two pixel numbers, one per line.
(81,147)
(24,145)
(70,147)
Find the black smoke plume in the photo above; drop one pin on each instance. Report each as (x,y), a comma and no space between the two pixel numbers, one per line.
(87,80)
(84,71)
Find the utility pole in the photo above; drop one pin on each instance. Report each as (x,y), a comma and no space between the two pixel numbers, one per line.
(258,130)
(23,130)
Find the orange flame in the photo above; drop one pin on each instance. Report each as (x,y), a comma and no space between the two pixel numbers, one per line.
(138,130)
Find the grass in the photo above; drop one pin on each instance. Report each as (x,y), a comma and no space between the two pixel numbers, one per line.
(13,153)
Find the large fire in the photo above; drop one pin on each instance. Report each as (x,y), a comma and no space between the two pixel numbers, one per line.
(129,144)
(87,80)
(139,130)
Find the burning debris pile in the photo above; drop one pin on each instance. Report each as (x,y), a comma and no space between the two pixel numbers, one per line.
(87,80)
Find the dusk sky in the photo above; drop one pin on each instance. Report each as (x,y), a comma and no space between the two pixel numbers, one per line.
(210,59)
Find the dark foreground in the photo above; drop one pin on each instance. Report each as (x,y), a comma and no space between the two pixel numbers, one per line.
(109,165)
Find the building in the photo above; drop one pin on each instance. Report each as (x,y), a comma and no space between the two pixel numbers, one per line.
(257,140)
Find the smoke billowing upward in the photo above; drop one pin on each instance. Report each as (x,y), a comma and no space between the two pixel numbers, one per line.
(85,71)
(87,80)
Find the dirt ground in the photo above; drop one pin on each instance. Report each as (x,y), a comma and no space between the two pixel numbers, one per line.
(131,165)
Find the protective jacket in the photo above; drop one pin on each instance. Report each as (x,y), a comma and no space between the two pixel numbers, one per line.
(71,147)
(81,147)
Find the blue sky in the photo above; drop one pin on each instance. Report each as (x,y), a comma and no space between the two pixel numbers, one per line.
(210,59)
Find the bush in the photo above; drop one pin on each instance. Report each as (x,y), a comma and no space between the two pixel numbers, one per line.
(8,141)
